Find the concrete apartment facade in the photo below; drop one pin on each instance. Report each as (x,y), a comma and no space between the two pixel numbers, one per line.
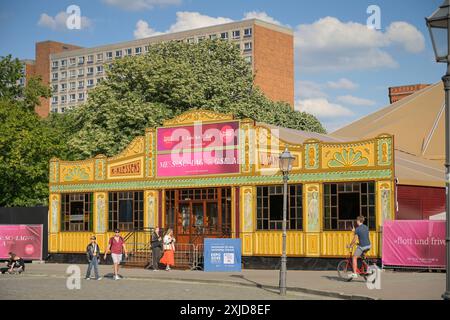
(72,71)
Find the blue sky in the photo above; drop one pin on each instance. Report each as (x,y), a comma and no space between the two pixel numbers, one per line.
(343,69)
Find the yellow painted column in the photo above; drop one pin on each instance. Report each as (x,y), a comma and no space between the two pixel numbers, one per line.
(234,198)
(100,218)
(54,221)
(151,209)
(312,218)
(385,197)
(247,218)
(385,202)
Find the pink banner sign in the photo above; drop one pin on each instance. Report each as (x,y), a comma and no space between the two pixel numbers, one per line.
(24,240)
(200,149)
(414,244)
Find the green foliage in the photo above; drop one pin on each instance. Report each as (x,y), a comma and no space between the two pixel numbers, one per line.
(10,73)
(11,90)
(173,77)
(26,146)
(26,142)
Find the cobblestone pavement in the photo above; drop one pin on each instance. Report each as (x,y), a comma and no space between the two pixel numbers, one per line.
(42,279)
(49,287)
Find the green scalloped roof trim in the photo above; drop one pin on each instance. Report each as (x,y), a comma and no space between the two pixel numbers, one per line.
(224,181)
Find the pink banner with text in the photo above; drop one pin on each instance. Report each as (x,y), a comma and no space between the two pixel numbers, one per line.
(414,244)
(24,240)
(200,149)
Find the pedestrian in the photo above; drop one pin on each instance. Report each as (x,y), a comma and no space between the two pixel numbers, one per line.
(117,247)
(363,237)
(93,256)
(168,258)
(15,264)
(157,247)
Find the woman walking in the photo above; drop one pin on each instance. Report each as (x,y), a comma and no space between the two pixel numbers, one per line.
(168,258)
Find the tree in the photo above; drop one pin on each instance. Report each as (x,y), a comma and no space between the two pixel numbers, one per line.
(173,77)
(26,142)
(12,90)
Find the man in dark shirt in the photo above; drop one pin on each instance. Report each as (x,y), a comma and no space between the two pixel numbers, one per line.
(362,236)
(156,248)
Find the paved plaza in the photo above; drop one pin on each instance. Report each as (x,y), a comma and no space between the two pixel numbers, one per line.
(49,281)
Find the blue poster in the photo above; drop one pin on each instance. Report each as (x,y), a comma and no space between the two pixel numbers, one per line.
(222,255)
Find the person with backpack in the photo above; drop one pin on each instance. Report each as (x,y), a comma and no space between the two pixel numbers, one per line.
(117,247)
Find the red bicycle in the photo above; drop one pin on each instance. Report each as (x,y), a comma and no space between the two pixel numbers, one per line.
(345,267)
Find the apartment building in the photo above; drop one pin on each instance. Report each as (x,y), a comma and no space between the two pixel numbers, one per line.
(269,48)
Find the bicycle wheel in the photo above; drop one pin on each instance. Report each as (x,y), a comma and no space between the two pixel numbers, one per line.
(345,270)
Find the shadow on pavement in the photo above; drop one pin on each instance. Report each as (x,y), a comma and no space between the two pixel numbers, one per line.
(258,285)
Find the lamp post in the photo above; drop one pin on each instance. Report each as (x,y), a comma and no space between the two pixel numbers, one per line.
(439,25)
(286,160)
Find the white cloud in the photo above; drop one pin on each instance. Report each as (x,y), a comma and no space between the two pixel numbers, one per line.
(310,90)
(135,5)
(355,101)
(407,36)
(322,108)
(193,20)
(58,23)
(143,30)
(329,44)
(261,15)
(185,21)
(342,83)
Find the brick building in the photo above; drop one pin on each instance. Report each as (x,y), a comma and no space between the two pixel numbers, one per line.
(72,71)
(401,92)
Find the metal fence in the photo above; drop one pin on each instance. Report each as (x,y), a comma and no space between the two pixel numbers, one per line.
(186,255)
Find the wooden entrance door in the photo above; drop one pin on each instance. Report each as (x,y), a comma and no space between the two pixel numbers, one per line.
(199,214)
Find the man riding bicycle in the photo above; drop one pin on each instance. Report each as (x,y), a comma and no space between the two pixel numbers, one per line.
(362,235)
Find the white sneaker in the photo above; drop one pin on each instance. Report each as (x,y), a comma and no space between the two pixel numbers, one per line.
(87,278)
(116,277)
(354,276)
(99,278)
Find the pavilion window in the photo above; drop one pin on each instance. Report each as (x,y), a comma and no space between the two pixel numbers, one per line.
(126,210)
(76,212)
(270,208)
(344,202)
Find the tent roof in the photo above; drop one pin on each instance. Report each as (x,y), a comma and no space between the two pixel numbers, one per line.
(417,123)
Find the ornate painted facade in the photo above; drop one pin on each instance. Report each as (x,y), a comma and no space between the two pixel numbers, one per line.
(317,166)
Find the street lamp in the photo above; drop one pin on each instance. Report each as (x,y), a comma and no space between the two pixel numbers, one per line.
(286,160)
(439,26)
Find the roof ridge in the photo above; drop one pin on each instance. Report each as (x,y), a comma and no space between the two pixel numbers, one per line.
(433,129)
(395,106)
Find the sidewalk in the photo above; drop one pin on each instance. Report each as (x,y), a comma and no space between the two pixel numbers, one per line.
(395,285)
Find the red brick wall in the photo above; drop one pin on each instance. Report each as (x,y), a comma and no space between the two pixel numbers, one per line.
(42,67)
(30,70)
(274,64)
(399,93)
(419,203)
